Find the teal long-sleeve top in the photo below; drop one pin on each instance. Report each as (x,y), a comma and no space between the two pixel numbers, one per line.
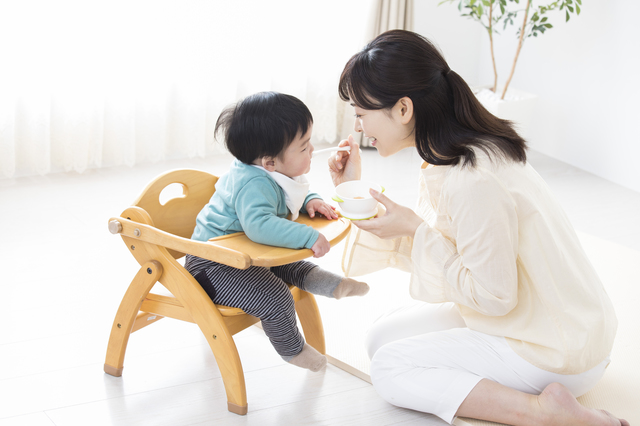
(248,200)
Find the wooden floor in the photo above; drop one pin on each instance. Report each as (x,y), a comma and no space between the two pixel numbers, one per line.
(62,276)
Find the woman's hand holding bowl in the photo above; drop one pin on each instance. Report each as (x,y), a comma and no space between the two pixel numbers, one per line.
(398,221)
(345,166)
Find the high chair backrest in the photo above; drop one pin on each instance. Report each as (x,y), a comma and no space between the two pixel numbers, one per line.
(174,199)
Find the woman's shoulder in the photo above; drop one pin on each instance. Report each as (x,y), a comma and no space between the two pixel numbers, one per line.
(490,172)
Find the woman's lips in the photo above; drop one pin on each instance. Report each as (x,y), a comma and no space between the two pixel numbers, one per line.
(372,141)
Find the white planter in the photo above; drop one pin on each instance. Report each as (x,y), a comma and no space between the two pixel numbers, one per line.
(517,106)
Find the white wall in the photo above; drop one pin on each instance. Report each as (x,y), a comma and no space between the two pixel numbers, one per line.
(584,72)
(459,39)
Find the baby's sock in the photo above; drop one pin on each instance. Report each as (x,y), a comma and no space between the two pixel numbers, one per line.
(308,358)
(350,287)
(321,282)
(325,283)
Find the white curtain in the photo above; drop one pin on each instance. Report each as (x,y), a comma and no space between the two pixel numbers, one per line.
(94,83)
(384,15)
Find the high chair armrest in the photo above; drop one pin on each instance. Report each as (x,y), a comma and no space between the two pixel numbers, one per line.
(268,256)
(150,234)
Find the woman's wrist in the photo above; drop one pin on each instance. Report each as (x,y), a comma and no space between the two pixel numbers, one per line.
(350,173)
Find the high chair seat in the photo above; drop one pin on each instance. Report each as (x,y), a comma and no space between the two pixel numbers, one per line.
(157,233)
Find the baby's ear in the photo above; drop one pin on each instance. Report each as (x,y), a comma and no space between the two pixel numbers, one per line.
(269,163)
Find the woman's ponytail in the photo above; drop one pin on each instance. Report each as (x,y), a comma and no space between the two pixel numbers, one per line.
(471,114)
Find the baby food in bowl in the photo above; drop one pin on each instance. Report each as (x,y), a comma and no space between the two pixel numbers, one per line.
(354,200)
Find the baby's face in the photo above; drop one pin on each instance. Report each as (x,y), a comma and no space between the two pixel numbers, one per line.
(296,160)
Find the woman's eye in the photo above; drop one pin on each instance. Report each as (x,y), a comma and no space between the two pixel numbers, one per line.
(357,115)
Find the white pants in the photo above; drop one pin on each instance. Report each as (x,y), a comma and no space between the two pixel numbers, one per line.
(424,358)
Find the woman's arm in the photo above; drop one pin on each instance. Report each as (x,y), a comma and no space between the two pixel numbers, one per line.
(383,245)
(478,271)
(345,166)
(397,222)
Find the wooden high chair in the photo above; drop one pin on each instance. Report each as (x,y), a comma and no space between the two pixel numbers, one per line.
(158,234)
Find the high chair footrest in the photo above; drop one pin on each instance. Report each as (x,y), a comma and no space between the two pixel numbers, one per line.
(112,371)
(237,409)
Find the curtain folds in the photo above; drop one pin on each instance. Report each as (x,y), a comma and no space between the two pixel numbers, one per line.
(88,84)
(393,15)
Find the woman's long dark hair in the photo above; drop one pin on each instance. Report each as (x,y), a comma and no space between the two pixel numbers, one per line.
(449,120)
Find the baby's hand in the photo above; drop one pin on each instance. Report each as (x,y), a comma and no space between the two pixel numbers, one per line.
(318,205)
(321,246)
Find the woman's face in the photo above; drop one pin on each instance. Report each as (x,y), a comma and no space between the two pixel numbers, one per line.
(390,130)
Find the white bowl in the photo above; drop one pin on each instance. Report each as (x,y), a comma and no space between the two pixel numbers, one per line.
(354,199)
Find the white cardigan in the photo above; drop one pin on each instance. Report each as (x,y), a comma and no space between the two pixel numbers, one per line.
(496,242)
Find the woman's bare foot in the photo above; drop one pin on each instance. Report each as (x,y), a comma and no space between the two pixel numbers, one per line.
(557,406)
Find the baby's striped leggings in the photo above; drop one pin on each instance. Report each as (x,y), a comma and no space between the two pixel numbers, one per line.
(263,293)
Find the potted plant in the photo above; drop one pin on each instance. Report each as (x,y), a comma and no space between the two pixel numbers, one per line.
(532,21)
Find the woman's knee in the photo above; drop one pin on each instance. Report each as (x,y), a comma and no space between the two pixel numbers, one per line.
(388,327)
(390,372)
(412,320)
(379,334)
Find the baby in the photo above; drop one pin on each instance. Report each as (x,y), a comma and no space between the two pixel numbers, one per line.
(269,135)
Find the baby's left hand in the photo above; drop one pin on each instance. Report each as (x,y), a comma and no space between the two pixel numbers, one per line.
(318,205)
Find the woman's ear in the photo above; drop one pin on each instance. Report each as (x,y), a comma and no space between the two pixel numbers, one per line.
(269,163)
(404,109)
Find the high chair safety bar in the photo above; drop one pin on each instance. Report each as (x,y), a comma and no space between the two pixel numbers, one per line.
(157,234)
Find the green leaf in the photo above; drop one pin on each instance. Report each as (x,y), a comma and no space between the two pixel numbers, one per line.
(577,9)
(567,17)
(579,2)
(544,19)
(570,8)
(548,25)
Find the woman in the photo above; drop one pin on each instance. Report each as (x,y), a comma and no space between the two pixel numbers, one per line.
(518,323)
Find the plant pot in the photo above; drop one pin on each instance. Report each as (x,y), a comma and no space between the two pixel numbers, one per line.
(517,106)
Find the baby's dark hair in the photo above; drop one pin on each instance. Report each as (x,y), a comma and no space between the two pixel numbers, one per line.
(263,125)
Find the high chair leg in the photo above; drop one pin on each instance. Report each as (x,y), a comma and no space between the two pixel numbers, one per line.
(226,355)
(212,325)
(146,277)
(309,315)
